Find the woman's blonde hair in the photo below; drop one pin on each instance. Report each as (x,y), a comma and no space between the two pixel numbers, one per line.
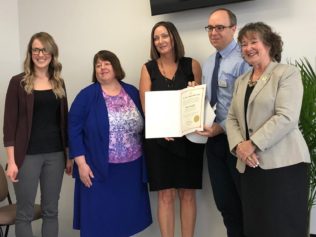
(54,68)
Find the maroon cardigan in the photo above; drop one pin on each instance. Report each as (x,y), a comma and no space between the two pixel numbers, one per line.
(18,116)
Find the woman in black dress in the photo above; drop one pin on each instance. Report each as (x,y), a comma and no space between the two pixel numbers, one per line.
(174,164)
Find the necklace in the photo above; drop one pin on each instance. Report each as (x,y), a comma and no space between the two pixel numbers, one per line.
(170,82)
(162,69)
(251,83)
(163,72)
(253,80)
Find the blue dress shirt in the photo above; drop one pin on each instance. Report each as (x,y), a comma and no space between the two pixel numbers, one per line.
(232,66)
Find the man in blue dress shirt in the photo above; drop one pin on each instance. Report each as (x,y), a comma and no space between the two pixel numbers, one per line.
(219,74)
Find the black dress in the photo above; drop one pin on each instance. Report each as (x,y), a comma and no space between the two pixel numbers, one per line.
(173,164)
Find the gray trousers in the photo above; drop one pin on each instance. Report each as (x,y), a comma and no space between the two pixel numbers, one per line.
(48,169)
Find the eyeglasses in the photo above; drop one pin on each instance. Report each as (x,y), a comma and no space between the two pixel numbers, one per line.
(218,28)
(37,51)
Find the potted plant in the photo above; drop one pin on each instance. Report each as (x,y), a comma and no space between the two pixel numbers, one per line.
(307,122)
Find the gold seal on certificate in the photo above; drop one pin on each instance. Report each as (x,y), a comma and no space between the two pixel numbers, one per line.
(196,118)
(209,117)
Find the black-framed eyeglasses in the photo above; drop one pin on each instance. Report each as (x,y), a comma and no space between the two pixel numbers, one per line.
(37,51)
(218,28)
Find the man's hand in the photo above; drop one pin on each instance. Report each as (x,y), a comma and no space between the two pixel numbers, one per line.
(211,131)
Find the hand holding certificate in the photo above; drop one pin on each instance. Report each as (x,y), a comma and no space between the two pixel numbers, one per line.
(174,113)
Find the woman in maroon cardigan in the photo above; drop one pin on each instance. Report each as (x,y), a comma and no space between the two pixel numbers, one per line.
(35,119)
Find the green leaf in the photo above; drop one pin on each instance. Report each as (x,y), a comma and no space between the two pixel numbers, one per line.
(307,122)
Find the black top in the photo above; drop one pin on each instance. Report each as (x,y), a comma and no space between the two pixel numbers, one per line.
(247,96)
(45,132)
(180,80)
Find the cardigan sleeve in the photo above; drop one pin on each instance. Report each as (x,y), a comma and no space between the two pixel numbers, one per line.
(65,115)
(76,120)
(11,112)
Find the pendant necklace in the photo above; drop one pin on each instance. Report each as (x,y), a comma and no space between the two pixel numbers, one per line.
(251,83)
(170,82)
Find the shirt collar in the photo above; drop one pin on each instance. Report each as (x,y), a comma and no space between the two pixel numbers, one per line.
(230,47)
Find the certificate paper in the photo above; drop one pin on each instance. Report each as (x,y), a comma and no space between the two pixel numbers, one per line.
(174,113)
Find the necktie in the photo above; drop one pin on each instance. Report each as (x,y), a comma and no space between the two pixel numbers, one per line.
(215,80)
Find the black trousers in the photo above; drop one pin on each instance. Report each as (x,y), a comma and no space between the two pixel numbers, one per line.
(225,180)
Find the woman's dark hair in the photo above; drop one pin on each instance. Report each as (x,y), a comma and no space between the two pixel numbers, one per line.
(177,42)
(105,55)
(268,37)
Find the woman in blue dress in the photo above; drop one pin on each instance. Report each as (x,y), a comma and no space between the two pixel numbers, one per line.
(105,140)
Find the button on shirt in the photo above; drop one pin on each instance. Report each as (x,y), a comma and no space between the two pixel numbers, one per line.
(232,66)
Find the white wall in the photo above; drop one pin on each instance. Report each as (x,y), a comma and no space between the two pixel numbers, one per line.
(10,62)
(9,49)
(81,28)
